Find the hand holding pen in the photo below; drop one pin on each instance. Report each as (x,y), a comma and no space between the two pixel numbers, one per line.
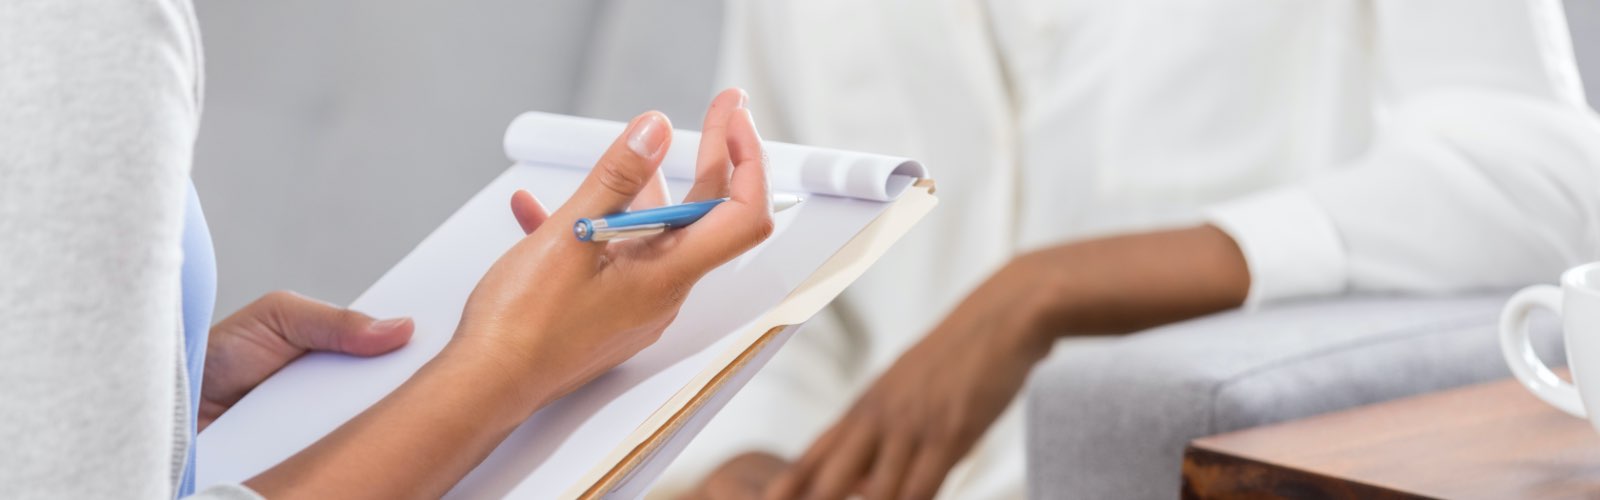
(532,319)
(548,316)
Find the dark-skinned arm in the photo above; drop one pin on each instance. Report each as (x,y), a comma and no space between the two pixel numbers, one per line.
(922,415)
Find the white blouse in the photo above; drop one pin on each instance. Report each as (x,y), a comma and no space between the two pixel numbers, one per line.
(1423,146)
(1347,145)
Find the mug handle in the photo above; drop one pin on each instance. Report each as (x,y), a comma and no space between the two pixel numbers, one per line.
(1518,349)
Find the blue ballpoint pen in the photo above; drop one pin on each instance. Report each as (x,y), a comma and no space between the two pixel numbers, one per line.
(655,220)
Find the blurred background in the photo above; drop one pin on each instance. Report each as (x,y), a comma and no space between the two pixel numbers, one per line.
(337,134)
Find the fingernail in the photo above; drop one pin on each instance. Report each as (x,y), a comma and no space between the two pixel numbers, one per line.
(744,99)
(390,324)
(647,136)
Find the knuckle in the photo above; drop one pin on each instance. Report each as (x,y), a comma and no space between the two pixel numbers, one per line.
(713,170)
(621,176)
(277,297)
(942,430)
(717,182)
(763,227)
(275,308)
(349,317)
(950,430)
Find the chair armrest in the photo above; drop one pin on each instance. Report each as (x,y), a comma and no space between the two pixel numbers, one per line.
(1111,419)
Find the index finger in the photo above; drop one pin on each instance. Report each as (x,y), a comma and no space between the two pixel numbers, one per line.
(928,472)
(743,221)
(794,480)
(845,467)
(623,171)
(711,164)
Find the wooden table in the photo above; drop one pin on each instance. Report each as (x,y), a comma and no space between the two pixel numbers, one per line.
(1486,441)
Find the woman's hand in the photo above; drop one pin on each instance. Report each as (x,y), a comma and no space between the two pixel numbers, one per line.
(926,411)
(549,315)
(560,311)
(253,343)
(742,478)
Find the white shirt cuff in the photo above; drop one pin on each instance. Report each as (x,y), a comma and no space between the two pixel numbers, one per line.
(1289,243)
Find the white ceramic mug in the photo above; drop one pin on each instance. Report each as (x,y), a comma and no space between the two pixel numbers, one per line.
(1577,301)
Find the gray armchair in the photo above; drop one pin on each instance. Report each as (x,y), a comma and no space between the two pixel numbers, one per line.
(1111,419)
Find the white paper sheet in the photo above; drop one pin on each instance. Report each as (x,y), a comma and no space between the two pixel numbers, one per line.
(543,137)
(544,456)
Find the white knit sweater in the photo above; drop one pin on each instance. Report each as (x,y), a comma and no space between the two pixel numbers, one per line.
(99,107)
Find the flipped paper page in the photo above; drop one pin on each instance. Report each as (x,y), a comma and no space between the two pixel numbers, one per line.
(546,455)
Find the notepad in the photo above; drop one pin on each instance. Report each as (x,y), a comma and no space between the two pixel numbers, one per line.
(612,437)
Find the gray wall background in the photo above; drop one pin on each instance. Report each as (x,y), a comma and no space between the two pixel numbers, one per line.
(338,133)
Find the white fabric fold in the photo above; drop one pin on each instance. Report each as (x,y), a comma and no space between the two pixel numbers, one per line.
(1291,246)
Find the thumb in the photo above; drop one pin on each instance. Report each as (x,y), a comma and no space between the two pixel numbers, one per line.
(317,326)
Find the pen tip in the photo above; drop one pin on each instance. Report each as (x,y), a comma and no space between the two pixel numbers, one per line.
(783,202)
